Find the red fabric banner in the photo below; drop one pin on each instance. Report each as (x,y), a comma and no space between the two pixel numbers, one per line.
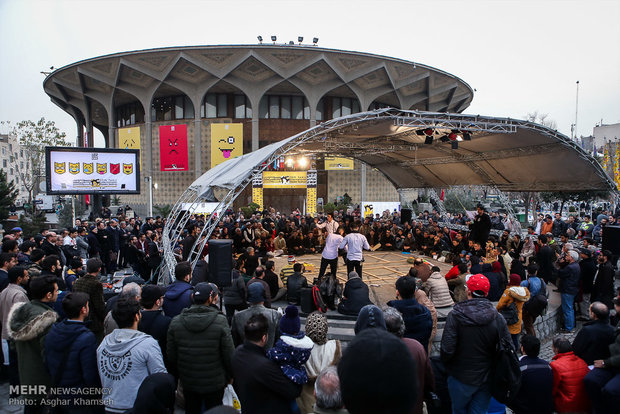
(173,148)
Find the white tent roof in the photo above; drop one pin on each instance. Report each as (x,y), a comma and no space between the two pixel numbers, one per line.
(512,155)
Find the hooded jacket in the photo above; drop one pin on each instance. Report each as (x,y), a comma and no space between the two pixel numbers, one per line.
(29,322)
(569,279)
(177,298)
(81,367)
(470,338)
(355,297)
(418,319)
(517,295)
(13,294)
(200,349)
(125,358)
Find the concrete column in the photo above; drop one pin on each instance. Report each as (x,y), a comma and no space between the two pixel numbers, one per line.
(148,151)
(312,116)
(80,134)
(255,129)
(197,146)
(112,141)
(363,183)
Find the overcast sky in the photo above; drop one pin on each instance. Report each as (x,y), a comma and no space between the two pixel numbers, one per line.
(520,56)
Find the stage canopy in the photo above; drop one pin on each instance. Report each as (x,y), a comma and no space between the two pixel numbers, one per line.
(512,155)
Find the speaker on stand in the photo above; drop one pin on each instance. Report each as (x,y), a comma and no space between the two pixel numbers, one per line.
(611,239)
(220,262)
(405,215)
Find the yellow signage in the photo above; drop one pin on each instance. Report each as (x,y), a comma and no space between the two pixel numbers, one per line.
(226,142)
(257,197)
(368,210)
(129,138)
(338,163)
(284,179)
(311,201)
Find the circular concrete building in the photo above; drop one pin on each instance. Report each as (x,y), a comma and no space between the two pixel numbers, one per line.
(189,108)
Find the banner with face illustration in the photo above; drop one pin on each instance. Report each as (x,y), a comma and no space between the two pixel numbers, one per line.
(226,142)
(92,170)
(173,148)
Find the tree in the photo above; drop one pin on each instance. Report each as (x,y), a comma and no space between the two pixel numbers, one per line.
(65,217)
(31,224)
(540,118)
(8,194)
(33,137)
(564,196)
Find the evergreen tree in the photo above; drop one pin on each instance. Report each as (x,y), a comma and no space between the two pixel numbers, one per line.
(8,194)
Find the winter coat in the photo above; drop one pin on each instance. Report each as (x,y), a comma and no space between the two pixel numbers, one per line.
(291,352)
(321,357)
(588,270)
(355,297)
(460,287)
(517,295)
(29,323)
(535,394)
(438,291)
(91,285)
(200,349)
(11,295)
(426,378)
(294,283)
(545,259)
(470,338)
(82,246)
(423,300)
(569,279)
(614,351)
(236,293)
(418,320)
(260,384)
(569,393)
(497,282)
(156,324)
(125,358)
(267,301)
(603,288)
(593,341)
(177,298)
(81,367)
(156,395)
(240,318)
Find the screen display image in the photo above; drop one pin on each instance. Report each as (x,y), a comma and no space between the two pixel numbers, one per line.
(72,170)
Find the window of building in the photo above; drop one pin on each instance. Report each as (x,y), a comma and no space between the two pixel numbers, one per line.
(214,105)
(344,107)
(170,108)
(129,114)
(10,147)
(3,150)
(283,107)
(4,163)
(21,165)
(243,108)
(320,108)
(21,152)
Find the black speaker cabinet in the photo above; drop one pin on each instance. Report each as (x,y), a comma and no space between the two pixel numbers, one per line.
(405,215)
(611,239)
(220,262)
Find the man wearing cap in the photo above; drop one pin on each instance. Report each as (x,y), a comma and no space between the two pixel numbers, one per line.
(200,350)
(256,298)
(153,321)
(468,345)
(287,270)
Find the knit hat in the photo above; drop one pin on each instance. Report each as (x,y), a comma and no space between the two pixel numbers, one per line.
(370,316)
(316,327)
(290,323)
(379,355)
(353,274)
(478,282)
(514,280)
(256,293)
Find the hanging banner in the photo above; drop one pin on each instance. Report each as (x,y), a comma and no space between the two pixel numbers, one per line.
(617,166)
(284,179)
(338,163)
(311,193)
(129,138)
(173,148)
(226,142)
(257,192)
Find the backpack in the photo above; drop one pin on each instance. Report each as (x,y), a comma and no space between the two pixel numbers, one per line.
(510,313)
(537,304)
(505,375)
(319,303)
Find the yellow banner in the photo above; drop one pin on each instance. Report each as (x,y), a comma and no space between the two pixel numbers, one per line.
(284,179)
(226,142)
(368,210)
(311,201)
(616,174)
(338,163)
(257,197)
(129,138)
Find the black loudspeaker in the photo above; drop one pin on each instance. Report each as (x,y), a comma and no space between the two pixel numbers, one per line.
(306,300)
(611,239)
(405,215)
(220,262)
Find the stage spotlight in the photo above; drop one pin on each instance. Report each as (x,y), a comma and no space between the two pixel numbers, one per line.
(260,38)
(274,38)
(290,162)
(455,145)
(452,136)
(466,136)
(300,39)
(303,162)
(428,140)
(315,40)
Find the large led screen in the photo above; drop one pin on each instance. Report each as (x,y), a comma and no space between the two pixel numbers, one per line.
(92,170)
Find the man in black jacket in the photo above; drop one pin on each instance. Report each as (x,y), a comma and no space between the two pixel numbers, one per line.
(587,266)
(536,391)
(569,288)
(294,283)
(259,382)
(603,287)
(481,227)
(468,345)
(153,321)
(593,340)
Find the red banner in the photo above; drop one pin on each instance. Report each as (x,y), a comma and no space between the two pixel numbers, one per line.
(173,148)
